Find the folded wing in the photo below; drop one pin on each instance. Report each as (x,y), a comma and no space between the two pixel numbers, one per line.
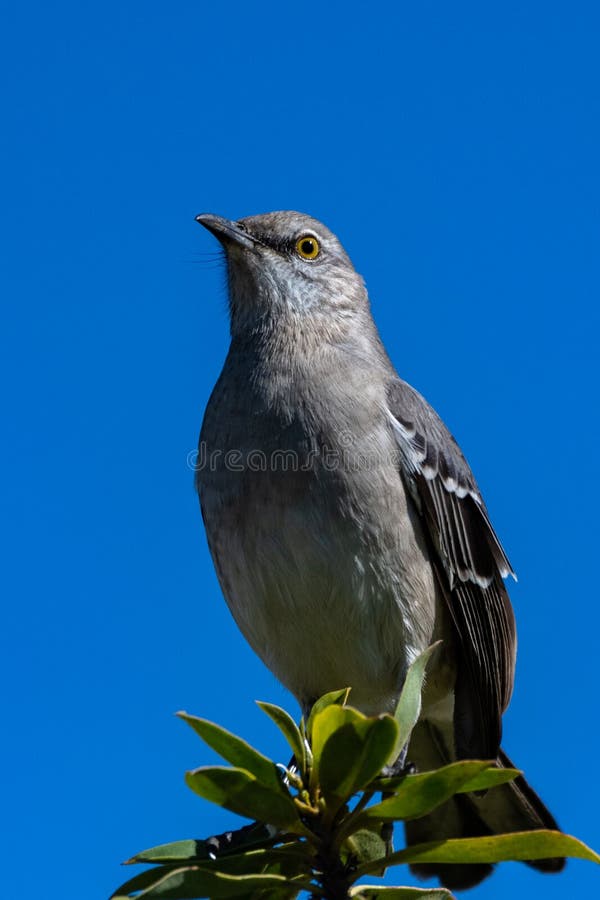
(471,566)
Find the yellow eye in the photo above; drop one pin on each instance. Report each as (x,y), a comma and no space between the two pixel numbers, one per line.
(308,247)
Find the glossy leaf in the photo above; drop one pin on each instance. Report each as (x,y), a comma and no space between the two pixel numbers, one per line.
(350,749)
(177,851)
(408,709)
(240,792)
(235,750)
(290,859)
(192,882)
(333,698)
(490,777)
(418,794)
(520,846)
(291,731)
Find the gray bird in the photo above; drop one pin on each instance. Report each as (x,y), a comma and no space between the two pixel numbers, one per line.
(345,525)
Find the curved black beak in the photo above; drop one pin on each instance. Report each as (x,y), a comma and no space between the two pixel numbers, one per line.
(224,230)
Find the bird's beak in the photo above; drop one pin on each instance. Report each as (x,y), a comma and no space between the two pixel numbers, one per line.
(225,231)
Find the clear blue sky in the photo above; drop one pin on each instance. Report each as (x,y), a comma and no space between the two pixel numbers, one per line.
(454,148)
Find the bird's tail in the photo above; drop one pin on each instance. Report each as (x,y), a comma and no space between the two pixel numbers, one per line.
(510,807)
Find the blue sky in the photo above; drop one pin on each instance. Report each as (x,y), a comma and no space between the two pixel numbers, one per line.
(454,149)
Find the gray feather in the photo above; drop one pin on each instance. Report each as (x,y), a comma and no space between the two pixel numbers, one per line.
(375,542)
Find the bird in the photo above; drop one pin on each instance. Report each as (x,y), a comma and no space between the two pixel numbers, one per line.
(346,527)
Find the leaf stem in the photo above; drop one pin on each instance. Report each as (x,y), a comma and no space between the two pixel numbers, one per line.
(346,826)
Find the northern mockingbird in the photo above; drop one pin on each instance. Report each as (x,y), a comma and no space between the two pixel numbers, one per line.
(346,527)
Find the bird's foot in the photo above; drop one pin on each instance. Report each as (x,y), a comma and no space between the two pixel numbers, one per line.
(401,767)
(396,771)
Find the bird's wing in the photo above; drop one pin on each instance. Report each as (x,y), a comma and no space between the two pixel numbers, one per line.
(471,567)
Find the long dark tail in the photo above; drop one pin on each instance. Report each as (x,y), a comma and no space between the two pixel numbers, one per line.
(511,807)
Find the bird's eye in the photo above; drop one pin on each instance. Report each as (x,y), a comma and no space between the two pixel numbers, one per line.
(308,247)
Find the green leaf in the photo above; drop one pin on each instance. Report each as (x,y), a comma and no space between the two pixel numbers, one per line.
(409,705)
(193,882)
(285,893)
(522,846)
(290,860)
(240,792)
(490,777)
(350,749)
(235,750)
(293,858)
(291,731)
(178,851)
(364,845)
(333,698)
(419,794)
(373,891)
(138,883)
(250,837)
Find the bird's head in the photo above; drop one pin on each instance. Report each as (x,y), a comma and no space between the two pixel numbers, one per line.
(286,266)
